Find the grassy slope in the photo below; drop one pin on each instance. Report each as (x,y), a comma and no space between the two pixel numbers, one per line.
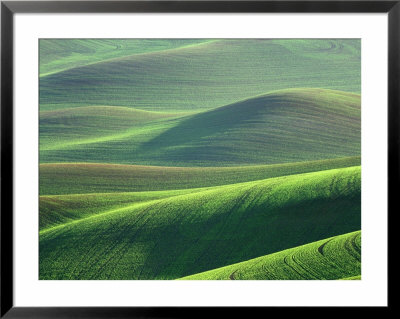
(187,234)
(75,178)
(78,127)
(333,258)
(283,126)
(177,232)
(207,75)
(60,209)
(58,55)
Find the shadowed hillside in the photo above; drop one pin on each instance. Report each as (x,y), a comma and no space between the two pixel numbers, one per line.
(205,75)
(83,178)
(199,159)
(191,233)
(58,55)
(284,126)
(333,258)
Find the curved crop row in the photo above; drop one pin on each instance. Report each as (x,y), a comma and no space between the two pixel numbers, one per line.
(191,233)
(338,257)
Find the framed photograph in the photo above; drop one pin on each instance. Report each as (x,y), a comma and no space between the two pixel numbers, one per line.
(174,158)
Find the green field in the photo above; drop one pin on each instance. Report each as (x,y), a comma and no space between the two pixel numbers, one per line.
(200,159)
(82,178)
(284,126)
(175,236)
(338,257)
(57,55)
(204,76)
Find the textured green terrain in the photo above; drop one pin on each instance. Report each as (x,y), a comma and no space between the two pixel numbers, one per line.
(333,258)
(205,76)
(176,236)
(57,55)
(284,126)
(75,178)
(200,159)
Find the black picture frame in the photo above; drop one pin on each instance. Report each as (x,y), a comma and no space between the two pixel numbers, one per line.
(9,8)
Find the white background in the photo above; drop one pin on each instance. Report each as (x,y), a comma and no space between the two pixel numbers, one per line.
(370,291)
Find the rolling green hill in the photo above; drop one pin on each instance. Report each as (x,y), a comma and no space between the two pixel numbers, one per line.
(58,55)
(60,209)
(74,127)
(199,159)
(198,77)
(82,178)
(168,238)
(338,257)
(284,126)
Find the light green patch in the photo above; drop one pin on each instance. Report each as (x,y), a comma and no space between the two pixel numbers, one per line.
(328,259)
(173,237)
(195,77)
(57,55)
(81,178)
(282,126)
